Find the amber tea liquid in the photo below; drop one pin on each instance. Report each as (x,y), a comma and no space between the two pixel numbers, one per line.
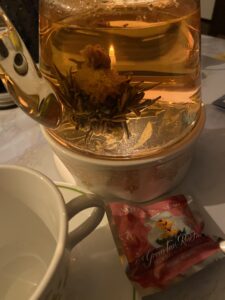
(155,43)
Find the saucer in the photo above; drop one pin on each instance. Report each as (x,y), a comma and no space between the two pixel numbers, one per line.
(96,272)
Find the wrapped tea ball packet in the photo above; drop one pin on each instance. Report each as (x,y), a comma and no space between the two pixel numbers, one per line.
(162,242)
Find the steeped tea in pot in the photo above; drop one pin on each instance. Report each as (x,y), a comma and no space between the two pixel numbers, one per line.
(118,90)
(127,73)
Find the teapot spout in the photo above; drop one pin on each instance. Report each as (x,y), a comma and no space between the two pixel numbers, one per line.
(21,77)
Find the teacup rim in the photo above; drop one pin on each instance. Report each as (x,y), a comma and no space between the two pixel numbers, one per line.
(63,229)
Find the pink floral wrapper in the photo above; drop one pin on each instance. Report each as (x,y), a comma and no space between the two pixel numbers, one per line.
(162,242)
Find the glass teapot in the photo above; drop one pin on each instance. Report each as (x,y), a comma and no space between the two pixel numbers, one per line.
(117,79)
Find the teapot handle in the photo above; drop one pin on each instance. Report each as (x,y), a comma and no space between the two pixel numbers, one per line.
(79,204)
(21,77)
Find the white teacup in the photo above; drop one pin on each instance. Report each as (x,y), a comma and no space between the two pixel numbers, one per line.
(34,240)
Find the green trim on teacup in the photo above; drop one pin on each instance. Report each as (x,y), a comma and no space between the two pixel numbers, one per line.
(134,294)
(70,188)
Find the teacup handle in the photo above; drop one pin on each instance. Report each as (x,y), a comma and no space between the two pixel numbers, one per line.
(79,204)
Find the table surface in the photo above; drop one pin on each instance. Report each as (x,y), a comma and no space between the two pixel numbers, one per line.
(22,143)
